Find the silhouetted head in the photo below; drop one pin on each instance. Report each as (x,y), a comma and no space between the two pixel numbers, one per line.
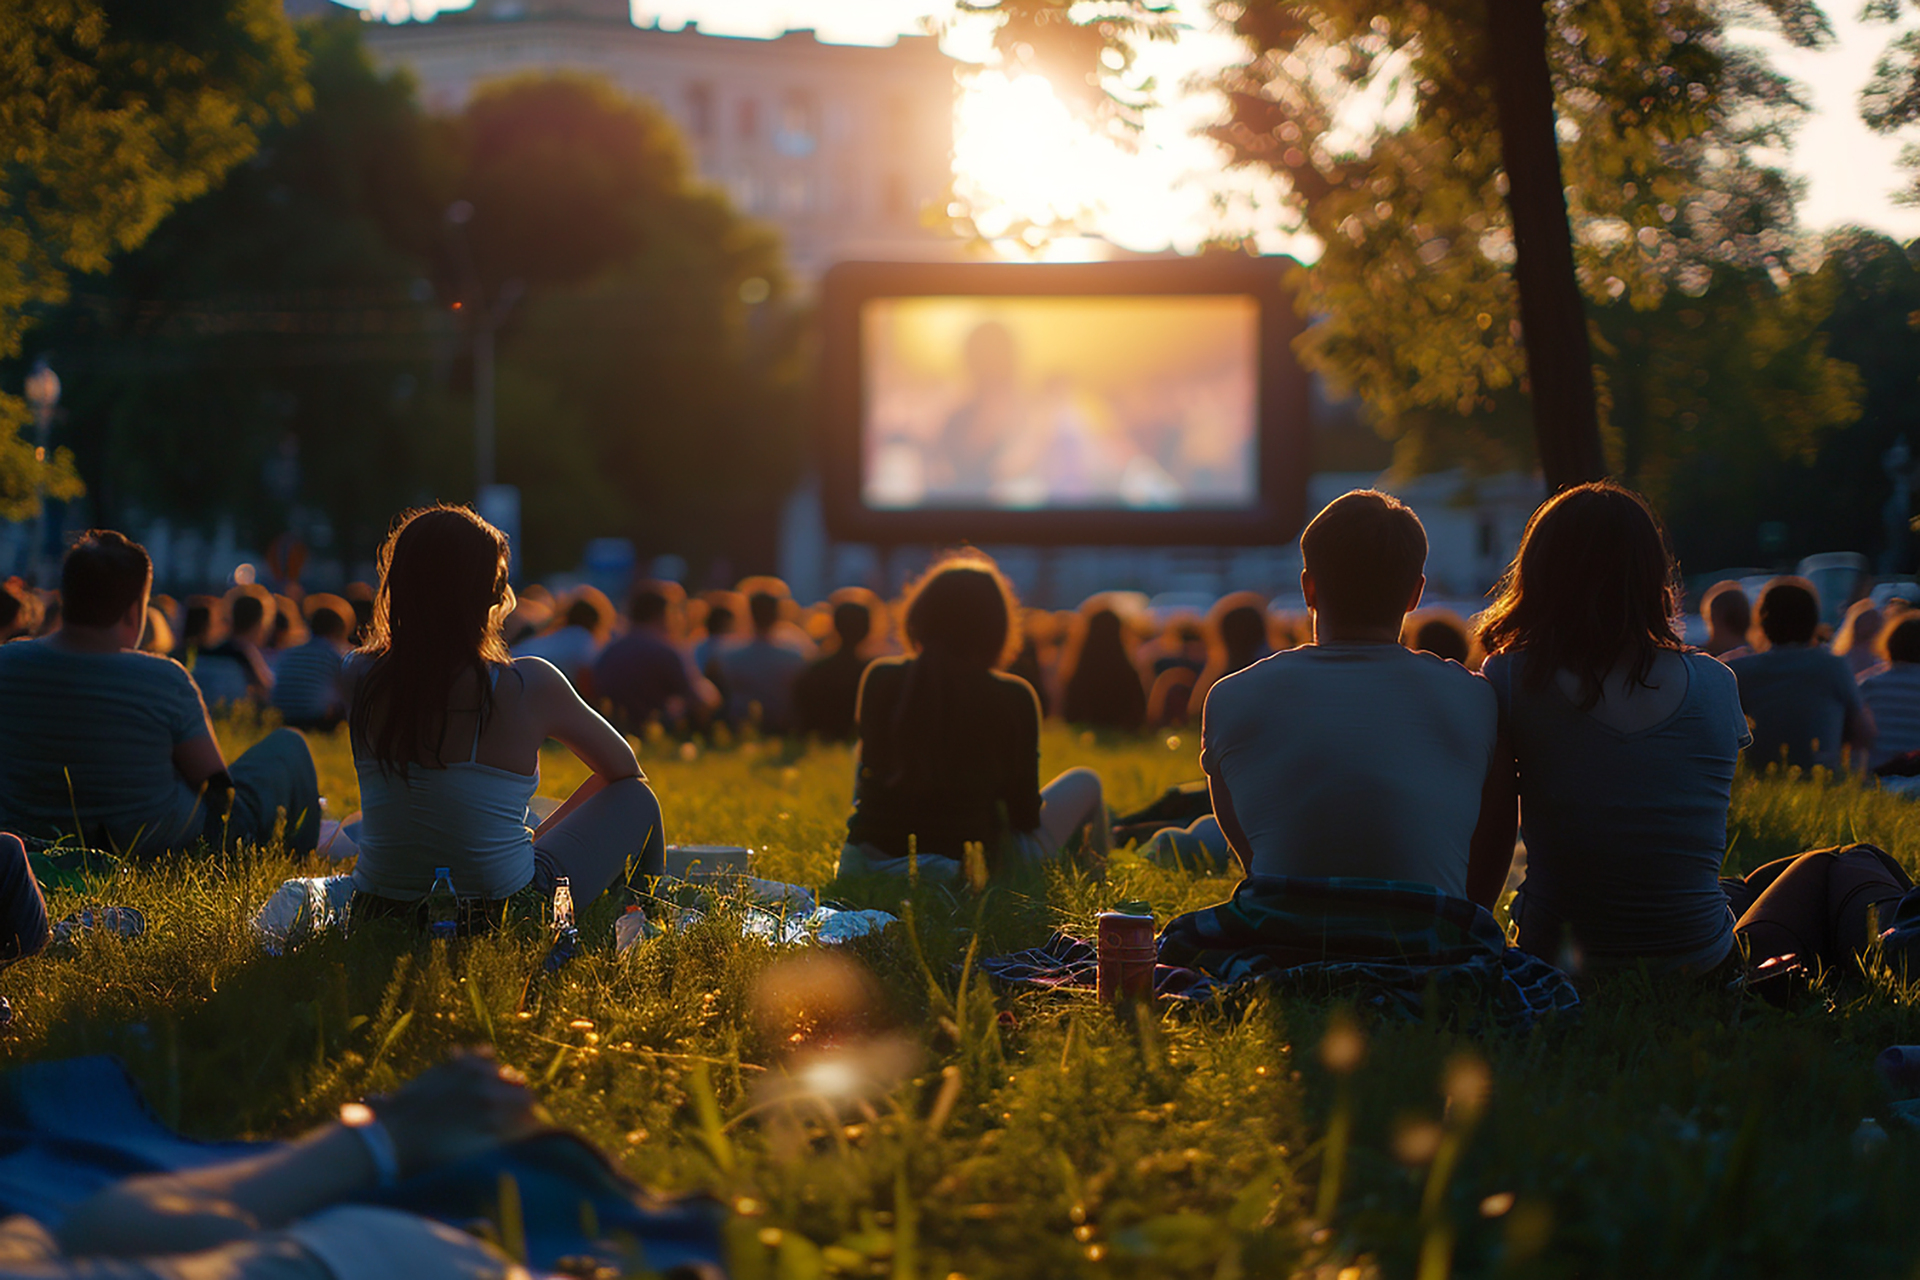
(246,613)
(1728,613)
(764,608)
(961,612)
(652,602)
(1365,556)
(329,617)
(1243,634)
(1444,636)
(852,622)
(1592,587)
(1789,611)
(1902,642)
(104,577)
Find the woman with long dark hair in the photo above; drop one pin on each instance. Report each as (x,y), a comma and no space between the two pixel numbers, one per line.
(1623,743)
(1099,683)
(950,744)
(447,729)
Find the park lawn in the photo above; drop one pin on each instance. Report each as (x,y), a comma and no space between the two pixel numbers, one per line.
(1668,1130)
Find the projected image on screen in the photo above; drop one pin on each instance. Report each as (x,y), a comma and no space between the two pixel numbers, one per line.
(1145,402)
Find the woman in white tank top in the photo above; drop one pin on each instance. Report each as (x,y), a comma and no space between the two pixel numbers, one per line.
(447,729)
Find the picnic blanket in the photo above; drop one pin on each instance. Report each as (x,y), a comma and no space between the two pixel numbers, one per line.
(72,1127)
(1394,943)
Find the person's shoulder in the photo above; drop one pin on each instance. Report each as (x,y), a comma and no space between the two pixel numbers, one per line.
(537,674)
(1711,674)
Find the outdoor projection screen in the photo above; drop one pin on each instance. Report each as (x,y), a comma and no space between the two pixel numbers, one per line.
(1122,403)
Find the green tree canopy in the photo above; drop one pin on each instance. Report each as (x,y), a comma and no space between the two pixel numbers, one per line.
(115,112)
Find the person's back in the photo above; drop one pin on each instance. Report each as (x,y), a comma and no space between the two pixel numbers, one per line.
(644,673)
(1103,689)
(827,693)
(1892,694)
(90,734)
(760,674)
(1353,756)
(989,782)
(235,671)
(1623,743)
(1353,760)
(1625,828)
(306,685)
(1803,701)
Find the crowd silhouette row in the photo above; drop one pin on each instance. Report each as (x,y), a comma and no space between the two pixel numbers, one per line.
(1367,738)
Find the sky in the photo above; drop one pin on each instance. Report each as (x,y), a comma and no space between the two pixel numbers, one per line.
(1018,147)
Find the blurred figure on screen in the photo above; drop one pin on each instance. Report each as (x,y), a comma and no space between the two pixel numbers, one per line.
(968,450)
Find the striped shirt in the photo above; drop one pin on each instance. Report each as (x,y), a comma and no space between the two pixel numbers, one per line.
(92,735)
(306,684)
(1892,693)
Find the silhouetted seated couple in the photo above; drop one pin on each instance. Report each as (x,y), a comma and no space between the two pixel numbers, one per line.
(1356,757)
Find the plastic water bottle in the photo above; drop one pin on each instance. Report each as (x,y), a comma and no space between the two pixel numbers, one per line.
(443,905)
(562,905)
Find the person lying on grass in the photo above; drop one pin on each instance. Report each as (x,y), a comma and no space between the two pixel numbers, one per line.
(281,1215)
(1622,750)
(447,728)
(1354,756)
(102,741)
(950,744)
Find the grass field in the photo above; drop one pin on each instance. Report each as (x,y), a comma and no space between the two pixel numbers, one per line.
(1668,1131)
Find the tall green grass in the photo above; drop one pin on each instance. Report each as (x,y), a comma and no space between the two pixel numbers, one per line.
(1670,1130)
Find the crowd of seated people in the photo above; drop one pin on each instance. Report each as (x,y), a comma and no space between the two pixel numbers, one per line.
(1414,745)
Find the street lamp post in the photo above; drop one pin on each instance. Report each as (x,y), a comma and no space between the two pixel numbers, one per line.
(42,390)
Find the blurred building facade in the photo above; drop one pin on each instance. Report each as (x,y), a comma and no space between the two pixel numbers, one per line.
(847,149)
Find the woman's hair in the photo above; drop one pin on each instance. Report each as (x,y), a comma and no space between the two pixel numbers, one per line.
(962,621)
(1592,586)
(1098,681)
(443,594)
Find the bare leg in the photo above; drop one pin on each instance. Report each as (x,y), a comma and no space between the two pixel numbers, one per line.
(1072,801)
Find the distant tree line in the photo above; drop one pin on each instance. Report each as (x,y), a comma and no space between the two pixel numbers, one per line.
(292,349)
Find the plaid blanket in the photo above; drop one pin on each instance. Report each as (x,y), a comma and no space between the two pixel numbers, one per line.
(1395,943)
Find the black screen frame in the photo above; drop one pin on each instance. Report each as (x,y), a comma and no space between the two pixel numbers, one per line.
(1281,420)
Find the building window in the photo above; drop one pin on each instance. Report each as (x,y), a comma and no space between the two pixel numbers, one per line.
(700,110)
(746,121)
(799,125)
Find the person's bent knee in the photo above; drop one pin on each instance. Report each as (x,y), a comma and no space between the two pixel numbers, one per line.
(640,808)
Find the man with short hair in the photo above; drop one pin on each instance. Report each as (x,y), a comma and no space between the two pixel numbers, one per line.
(1729,617)
(646,674)
(828,691)
(758,676)
(1802,701)
(306,688)
(235,670)
(1892,692)
(95,732)
(1353,756)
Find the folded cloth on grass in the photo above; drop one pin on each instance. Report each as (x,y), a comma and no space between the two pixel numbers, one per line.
(1393,941)
(70,1128)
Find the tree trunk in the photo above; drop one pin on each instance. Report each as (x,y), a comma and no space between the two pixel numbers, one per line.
(1566,419)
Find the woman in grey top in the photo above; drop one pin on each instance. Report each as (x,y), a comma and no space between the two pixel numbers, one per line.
(1624,744)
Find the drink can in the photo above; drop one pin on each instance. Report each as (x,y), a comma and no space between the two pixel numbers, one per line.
(1125,942)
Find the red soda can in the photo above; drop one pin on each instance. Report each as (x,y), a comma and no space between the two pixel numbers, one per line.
(1127,953)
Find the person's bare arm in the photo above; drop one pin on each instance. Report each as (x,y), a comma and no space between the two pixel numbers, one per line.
(1490,852)
(559,712)
(456,1110)
(199,759)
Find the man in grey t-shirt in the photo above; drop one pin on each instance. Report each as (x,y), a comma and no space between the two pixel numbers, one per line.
(1803,701)
(1353,756)
(96,733)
